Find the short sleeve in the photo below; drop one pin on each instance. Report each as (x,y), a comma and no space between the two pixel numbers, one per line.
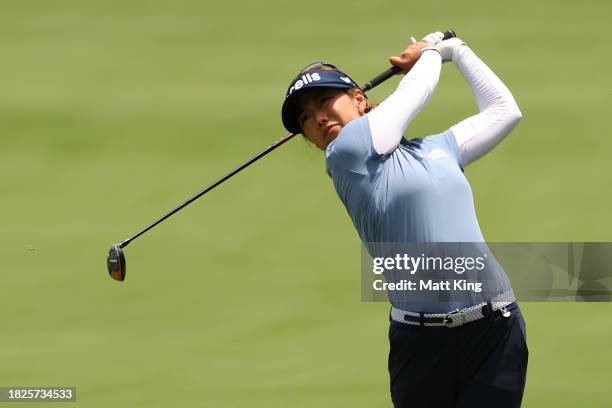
(352,149)
(447,142)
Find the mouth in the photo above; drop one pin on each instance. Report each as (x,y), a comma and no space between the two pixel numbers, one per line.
(329,129)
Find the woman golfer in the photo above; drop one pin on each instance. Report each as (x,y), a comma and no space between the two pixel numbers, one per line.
(466,352)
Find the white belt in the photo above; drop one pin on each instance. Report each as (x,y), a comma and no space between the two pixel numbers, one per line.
(452,319)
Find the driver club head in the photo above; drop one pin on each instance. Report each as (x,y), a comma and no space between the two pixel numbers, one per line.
(116,263)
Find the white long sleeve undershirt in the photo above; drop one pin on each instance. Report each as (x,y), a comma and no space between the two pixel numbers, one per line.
(389,120)
(475,135)
(499,113)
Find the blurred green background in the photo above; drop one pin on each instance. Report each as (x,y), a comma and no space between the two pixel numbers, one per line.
(112,112)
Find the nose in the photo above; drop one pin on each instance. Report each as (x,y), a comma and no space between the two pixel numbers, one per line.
(321,118)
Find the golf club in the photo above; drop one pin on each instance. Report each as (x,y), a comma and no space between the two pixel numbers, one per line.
(116,259)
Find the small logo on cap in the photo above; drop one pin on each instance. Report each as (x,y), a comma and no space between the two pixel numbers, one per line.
(347,80)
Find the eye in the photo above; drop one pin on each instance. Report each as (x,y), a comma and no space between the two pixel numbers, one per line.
(324,99)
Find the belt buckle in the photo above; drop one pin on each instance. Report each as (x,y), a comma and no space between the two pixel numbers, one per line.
(447,319)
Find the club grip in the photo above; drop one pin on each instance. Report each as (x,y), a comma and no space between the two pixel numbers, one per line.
(395,70)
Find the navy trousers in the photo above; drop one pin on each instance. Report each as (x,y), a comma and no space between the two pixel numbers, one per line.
(479,364)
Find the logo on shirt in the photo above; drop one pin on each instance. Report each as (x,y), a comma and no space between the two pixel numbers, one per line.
(437,154)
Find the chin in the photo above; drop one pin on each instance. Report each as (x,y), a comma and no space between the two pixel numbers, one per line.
(330,138)
(334,132)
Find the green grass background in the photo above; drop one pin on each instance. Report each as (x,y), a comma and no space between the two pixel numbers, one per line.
(112,112)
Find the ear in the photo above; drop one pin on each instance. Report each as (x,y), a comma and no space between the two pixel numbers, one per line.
(359,99)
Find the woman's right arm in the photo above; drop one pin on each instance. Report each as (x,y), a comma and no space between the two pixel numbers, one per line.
(389,120)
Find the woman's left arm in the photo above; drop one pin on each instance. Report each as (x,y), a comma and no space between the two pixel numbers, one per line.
(499,113)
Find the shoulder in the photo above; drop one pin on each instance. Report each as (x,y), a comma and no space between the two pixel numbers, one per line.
(352,147)
(356,134)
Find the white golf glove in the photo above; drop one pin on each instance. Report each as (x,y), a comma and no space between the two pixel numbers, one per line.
(434,38)
(448,48)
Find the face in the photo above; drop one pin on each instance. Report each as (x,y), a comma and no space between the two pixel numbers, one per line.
(324,112)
